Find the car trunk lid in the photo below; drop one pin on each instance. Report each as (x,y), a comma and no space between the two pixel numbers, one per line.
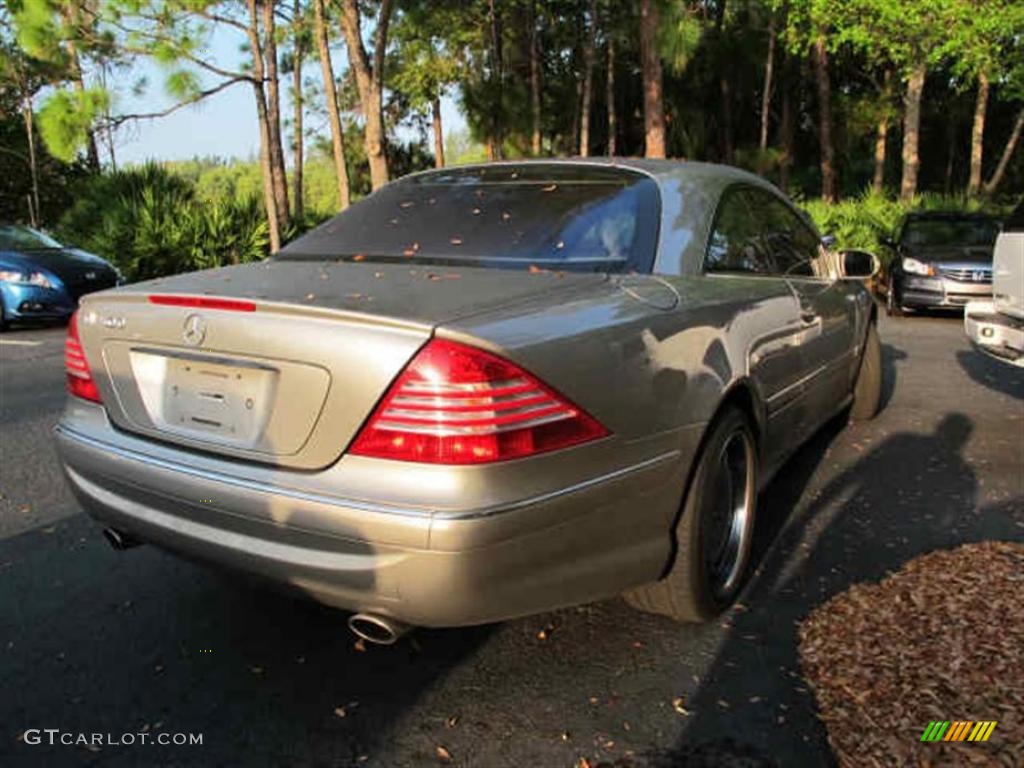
(278,362)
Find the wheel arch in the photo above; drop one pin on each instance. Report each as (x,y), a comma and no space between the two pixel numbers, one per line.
(743,395)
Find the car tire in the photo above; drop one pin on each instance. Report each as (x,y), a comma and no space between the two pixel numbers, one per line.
(867,389)
(3,316)
(695,589)
(893,307)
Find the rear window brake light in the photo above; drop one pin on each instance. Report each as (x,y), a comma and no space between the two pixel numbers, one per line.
(203,302)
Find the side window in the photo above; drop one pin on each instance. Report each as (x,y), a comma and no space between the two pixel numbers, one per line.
(791,246)
(735,242)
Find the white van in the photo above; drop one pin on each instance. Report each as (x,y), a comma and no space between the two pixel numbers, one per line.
(997,327)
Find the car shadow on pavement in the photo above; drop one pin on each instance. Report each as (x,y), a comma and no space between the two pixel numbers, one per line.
(753,708)
(992,374)
(891,356)
(93,641)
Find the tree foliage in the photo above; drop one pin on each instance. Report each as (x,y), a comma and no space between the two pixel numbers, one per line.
(852,82)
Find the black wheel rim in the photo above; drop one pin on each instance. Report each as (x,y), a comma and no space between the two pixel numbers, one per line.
(729,514)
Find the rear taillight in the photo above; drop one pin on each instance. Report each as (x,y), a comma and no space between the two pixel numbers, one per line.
(80,382)
(454,404)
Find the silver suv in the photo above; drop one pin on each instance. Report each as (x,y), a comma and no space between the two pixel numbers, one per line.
(997,327)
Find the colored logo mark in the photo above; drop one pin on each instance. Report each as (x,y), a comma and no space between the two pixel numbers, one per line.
(958,730)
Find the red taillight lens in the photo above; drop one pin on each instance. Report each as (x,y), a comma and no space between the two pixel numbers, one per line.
(454,404)
(80,383)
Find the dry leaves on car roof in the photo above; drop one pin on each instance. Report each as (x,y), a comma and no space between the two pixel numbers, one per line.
(942,639)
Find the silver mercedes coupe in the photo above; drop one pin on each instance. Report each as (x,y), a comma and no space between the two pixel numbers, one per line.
(479,393)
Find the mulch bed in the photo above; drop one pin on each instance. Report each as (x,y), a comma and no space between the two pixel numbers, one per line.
(940,639)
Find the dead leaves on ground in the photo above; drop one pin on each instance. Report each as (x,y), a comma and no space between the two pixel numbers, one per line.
(940,639)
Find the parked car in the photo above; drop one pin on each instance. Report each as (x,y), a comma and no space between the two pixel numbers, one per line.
(40,279)
(940,260)
(997,327)
(479,393)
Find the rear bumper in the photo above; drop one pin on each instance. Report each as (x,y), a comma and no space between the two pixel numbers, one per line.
(421,566)
(996,334)
(941,292)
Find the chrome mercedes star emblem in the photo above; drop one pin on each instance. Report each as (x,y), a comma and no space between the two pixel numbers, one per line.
(194,330)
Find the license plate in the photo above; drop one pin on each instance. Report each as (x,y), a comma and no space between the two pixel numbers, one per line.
(207,399)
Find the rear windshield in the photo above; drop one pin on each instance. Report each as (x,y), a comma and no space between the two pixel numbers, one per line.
(583,219)
(928,232)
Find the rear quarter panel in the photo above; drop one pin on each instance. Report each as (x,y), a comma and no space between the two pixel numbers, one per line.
(650,357)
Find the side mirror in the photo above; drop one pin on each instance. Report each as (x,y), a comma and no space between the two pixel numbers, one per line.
(829,241)
(859,264)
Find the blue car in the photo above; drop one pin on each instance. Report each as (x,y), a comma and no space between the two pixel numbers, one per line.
(40,279)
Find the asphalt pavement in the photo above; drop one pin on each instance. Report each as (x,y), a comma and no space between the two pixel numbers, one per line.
(94,641)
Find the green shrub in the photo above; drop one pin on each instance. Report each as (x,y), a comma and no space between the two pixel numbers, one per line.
(150,222)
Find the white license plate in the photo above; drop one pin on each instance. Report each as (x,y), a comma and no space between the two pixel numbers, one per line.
(206,399)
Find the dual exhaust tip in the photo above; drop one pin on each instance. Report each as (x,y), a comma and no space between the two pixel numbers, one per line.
(379,630)
(369,627)
(119,540)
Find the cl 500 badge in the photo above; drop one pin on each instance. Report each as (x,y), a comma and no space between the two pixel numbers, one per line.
(113,322)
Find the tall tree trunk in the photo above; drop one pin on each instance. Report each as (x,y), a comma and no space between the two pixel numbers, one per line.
(535,138)
(911,133)
(725,98)
(435,108)
(331,97)
(497,139)
(111,153)
(766,91)
(610,96)
(32,164)
(266,166)
(951,137)
(574,133)
(786,129)
(107,130)
(370,82)
(70,14)
(92,152)
(978,135)
(882,136)
(650,58)
(589,43)
(297,106)
(1004,159)
(828,172)
(726,105)
(277,165)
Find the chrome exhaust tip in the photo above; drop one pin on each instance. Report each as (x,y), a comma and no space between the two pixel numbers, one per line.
(119,540)
(379,630)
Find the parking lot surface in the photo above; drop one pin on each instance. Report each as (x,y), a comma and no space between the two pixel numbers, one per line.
(94,641)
